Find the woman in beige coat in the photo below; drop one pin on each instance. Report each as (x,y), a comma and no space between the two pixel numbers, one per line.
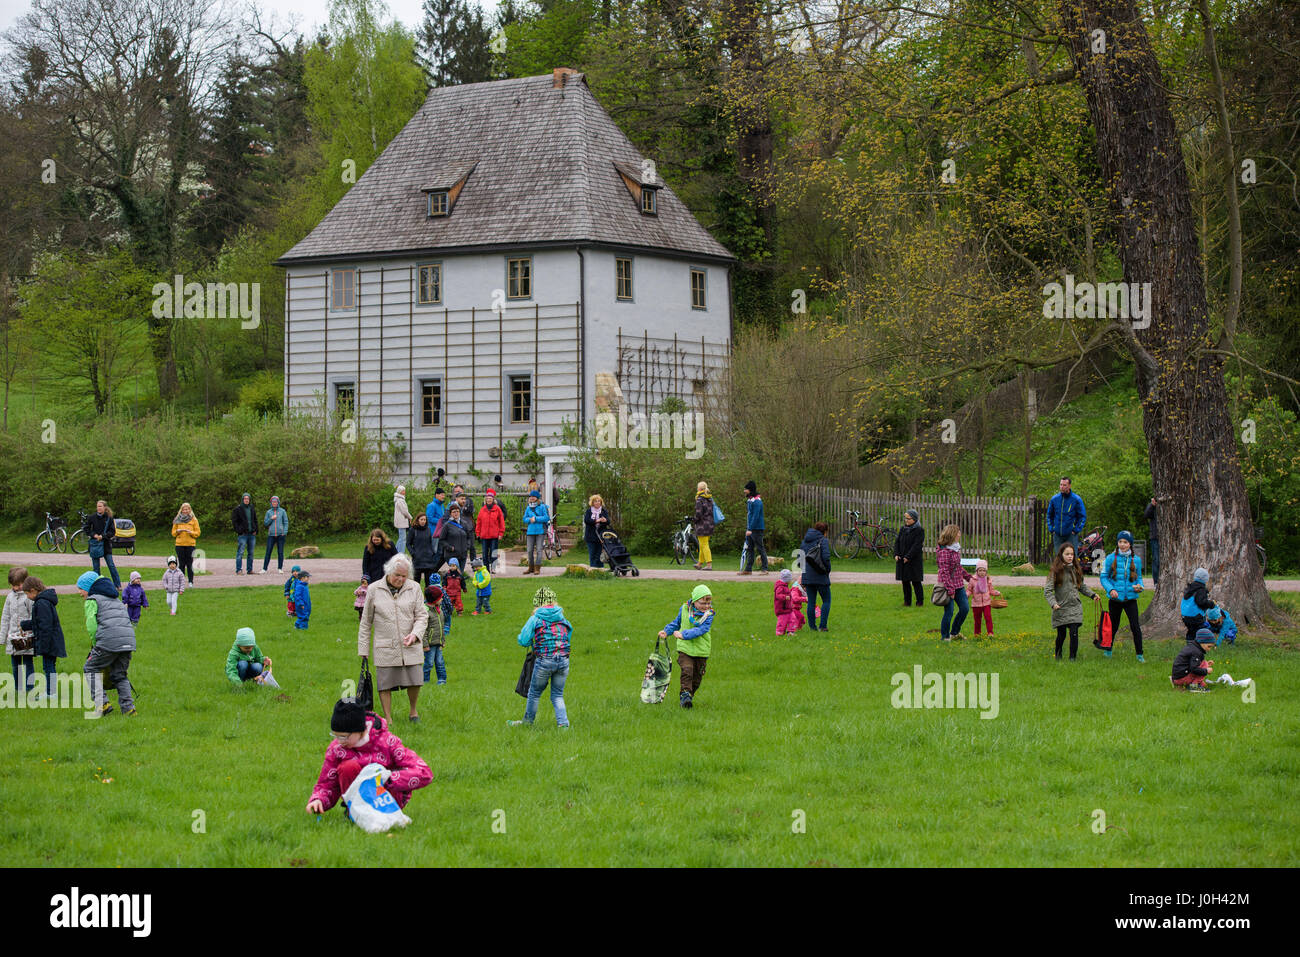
(394,616)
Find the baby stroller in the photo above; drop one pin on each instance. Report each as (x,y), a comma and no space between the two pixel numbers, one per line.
(616,554)
(1094,541)
(124,536)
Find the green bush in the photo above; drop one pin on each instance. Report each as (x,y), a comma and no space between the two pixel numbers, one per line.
(144,469)
(263,394)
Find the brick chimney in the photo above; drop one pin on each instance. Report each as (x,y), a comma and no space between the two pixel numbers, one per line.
(558,76)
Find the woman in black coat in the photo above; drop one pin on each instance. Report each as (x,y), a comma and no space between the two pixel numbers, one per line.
(102,530)
(909,565)
(595,519)
(424,555)
(379,549)
(455,541)
(45,628)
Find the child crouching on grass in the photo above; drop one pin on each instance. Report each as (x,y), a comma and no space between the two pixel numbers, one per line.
(173,582)
(361,739)
(434,638)
(245,662)
(789,598)
(112,640)
(549,634)
(691,626)
(1190,666)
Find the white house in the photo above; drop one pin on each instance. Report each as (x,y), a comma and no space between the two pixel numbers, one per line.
(509,246)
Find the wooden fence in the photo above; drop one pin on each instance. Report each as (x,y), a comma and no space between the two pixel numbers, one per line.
(990,526)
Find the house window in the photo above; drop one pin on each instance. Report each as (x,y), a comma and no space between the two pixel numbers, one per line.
(697,289)
(438,202)
(345,400)
(521,399)
(343,289)
(648,201)
(430,403)
(430,284)
(623,279)
(519,279)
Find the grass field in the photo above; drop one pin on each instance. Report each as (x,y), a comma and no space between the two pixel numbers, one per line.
(784,730)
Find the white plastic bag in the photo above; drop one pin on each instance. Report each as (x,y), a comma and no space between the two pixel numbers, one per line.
(370,805)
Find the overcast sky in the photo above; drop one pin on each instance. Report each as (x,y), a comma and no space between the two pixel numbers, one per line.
(308,13)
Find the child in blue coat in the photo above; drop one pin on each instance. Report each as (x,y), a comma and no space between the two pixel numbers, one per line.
(302,600)
(290,584)
(1121,579)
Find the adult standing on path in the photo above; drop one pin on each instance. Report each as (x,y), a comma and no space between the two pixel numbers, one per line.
(536,518)
(1066,516)
(435,510)
(424,553)
(393,620)
(276,522)
(1153,541)
(401,516)
(489,527)
(703,525)
(754,528)
(594,521)
(374,557)
(816,577)
(102,531)
(244,519)
(185,530)
(909,563)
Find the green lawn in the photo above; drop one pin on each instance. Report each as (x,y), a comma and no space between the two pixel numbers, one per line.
(781,726)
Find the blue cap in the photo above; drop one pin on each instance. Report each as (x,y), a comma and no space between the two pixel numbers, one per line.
(1125,536)
(296,568)
(454,561)
(86,579)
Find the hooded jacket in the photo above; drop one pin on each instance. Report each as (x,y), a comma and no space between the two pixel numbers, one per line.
(1196,600)
(401,514)
(1188,661)
(435,510)
(372,563)
(18,608)
(276,521)
(383,747)
(391,618)
(815,540)
(1115,574)
(692,627)
(1066,514)
(244,517)
(237,655)
(491,522)
(704,514)
(908,545)
(548,631)
(419,542)
(107,621)
(535,519)
(44,624)
(455,540)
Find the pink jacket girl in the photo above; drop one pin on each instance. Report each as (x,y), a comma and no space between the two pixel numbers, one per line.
(788,601)
(981,596)
(350,751)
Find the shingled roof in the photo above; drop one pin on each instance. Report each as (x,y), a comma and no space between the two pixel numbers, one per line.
(545,170)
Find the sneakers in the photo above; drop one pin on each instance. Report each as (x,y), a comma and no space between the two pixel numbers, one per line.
(745,573)
(105,708)
(1197,689)
(686,700)
(1141,660)
(474,612)
(1107,652)
(129,714)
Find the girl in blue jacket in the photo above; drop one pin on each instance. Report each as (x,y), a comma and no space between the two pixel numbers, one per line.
(1121,578)
(536,517)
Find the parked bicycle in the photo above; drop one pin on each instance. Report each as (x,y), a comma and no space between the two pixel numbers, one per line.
(551,545)
(869,536)
(79,541)
(686,547)
(55,536)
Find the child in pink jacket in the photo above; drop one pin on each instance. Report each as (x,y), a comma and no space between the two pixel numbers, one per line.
(361,739)
(981,596)
(789,599)
(359,601)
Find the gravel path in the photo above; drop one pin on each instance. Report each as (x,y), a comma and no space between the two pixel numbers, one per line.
(222,572)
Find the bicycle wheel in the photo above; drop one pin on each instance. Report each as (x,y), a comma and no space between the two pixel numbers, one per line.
(882,543)
(1263,559)
(677,550)
(78,542)
(744,554)
(848,544)
(693,549)
(551,550)
(45,542)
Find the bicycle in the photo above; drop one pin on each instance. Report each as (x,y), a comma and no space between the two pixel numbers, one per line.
(551,546)
(79,541)
(1259,550)
(686,547)
(880,541)
(55,536)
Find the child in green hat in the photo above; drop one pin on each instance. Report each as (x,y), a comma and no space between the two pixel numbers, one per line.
(692,624)
(245,661)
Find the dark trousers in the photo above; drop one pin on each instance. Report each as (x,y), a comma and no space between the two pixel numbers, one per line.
(489,546)
(422,577)
(1074,639)
(1153,556)
(908,589)
(185,561)
(756,547)
(24,672)
(276,542)
(1193,625)
(593,555)
(112,568)
(116,664)
(692,672)
(1130,608)
(813,592)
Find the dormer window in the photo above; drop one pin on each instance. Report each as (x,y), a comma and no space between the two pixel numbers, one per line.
(438,202)
(443,187)
(648,205)
(643,183)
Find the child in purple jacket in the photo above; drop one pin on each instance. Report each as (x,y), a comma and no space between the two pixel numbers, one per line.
(134,598)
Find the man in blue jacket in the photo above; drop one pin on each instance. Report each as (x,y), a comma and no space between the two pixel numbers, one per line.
(754,529)
(1065,517)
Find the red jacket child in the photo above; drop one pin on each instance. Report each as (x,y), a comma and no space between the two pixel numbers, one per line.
(453,586)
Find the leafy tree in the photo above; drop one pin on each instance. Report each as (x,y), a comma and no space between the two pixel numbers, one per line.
(453,43)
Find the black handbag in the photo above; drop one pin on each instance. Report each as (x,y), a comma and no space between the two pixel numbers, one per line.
(525,676)
(366,687)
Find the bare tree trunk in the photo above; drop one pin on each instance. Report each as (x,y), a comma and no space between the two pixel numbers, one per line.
(1205,512)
